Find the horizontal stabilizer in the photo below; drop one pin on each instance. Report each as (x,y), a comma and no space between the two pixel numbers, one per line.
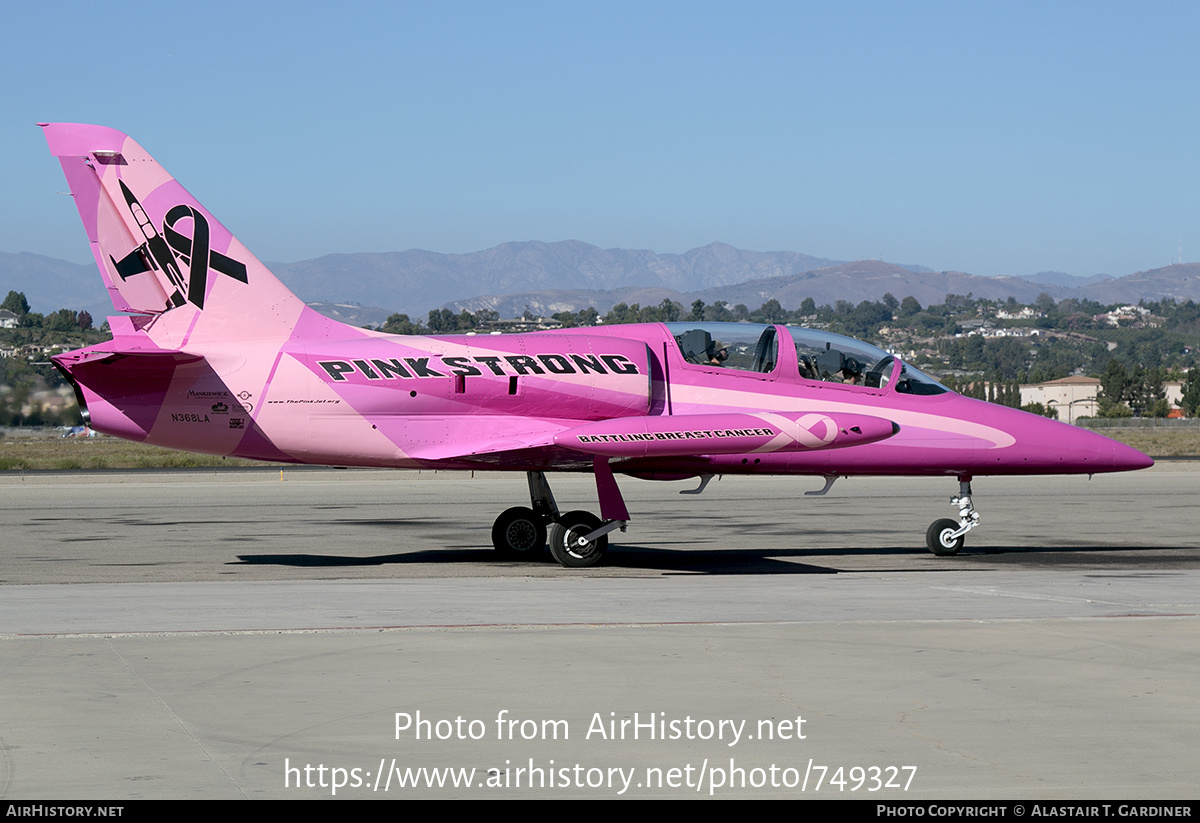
(126,343)
(732,433)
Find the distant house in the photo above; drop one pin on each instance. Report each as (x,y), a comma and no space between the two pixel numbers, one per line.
(1124,315)
(1073,397)
(1026,313)
(1077,397)
(1174,392)
(8,320)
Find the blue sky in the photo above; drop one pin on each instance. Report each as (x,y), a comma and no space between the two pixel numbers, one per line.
(993,138)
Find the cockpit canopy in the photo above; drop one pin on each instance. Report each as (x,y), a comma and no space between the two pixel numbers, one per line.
(741,346)
(823,356)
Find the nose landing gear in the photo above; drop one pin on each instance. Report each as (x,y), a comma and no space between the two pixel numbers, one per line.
(946,537)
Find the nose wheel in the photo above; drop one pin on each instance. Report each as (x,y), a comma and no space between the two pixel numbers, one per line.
(946,537)
(941,538)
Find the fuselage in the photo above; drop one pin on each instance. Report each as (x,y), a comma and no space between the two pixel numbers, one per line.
(355,397)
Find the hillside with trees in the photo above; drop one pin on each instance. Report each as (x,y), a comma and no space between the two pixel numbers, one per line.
(979,346)
(32,392)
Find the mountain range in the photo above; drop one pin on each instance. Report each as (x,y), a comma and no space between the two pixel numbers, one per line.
(572,275)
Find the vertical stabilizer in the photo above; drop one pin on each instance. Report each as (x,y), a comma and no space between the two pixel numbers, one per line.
(160,252)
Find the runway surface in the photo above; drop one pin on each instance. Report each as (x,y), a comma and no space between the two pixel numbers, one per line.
(252,634)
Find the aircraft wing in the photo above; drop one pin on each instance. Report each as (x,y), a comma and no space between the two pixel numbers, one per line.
(463,438)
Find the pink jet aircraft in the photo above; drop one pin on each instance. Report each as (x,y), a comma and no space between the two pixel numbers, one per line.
(213,354)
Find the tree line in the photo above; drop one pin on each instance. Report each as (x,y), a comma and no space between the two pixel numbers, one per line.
(21,377)
(991,368)
(61,321)
(1132,360)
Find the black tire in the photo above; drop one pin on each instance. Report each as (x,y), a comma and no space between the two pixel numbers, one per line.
(518,533)
(563,537)
(938,539)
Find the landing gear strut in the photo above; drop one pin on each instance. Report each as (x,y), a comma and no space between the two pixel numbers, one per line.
(945,537)
(577,538)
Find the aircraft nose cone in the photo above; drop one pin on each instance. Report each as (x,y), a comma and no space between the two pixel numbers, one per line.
(1052,447)
(1127,458)
(1087,449)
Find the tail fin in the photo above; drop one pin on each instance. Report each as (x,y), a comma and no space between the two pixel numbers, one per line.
(160,252)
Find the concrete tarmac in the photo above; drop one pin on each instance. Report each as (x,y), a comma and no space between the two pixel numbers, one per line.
(252,634)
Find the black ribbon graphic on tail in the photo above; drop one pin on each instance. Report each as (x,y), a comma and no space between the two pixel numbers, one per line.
(194,251)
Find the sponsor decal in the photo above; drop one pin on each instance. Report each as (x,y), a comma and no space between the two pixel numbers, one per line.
(237,423)
(500,365)
(220,408)
(704,434)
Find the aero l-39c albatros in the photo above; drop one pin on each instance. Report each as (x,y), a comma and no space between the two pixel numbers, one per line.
(213,354)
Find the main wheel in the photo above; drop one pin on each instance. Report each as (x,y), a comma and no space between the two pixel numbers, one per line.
(938,538)
(564,540)
(519,533)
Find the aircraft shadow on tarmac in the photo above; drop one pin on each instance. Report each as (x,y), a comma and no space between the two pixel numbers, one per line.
(690,560)
(742,561)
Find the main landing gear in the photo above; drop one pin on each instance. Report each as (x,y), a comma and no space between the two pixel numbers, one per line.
(577,538)
(945,537)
